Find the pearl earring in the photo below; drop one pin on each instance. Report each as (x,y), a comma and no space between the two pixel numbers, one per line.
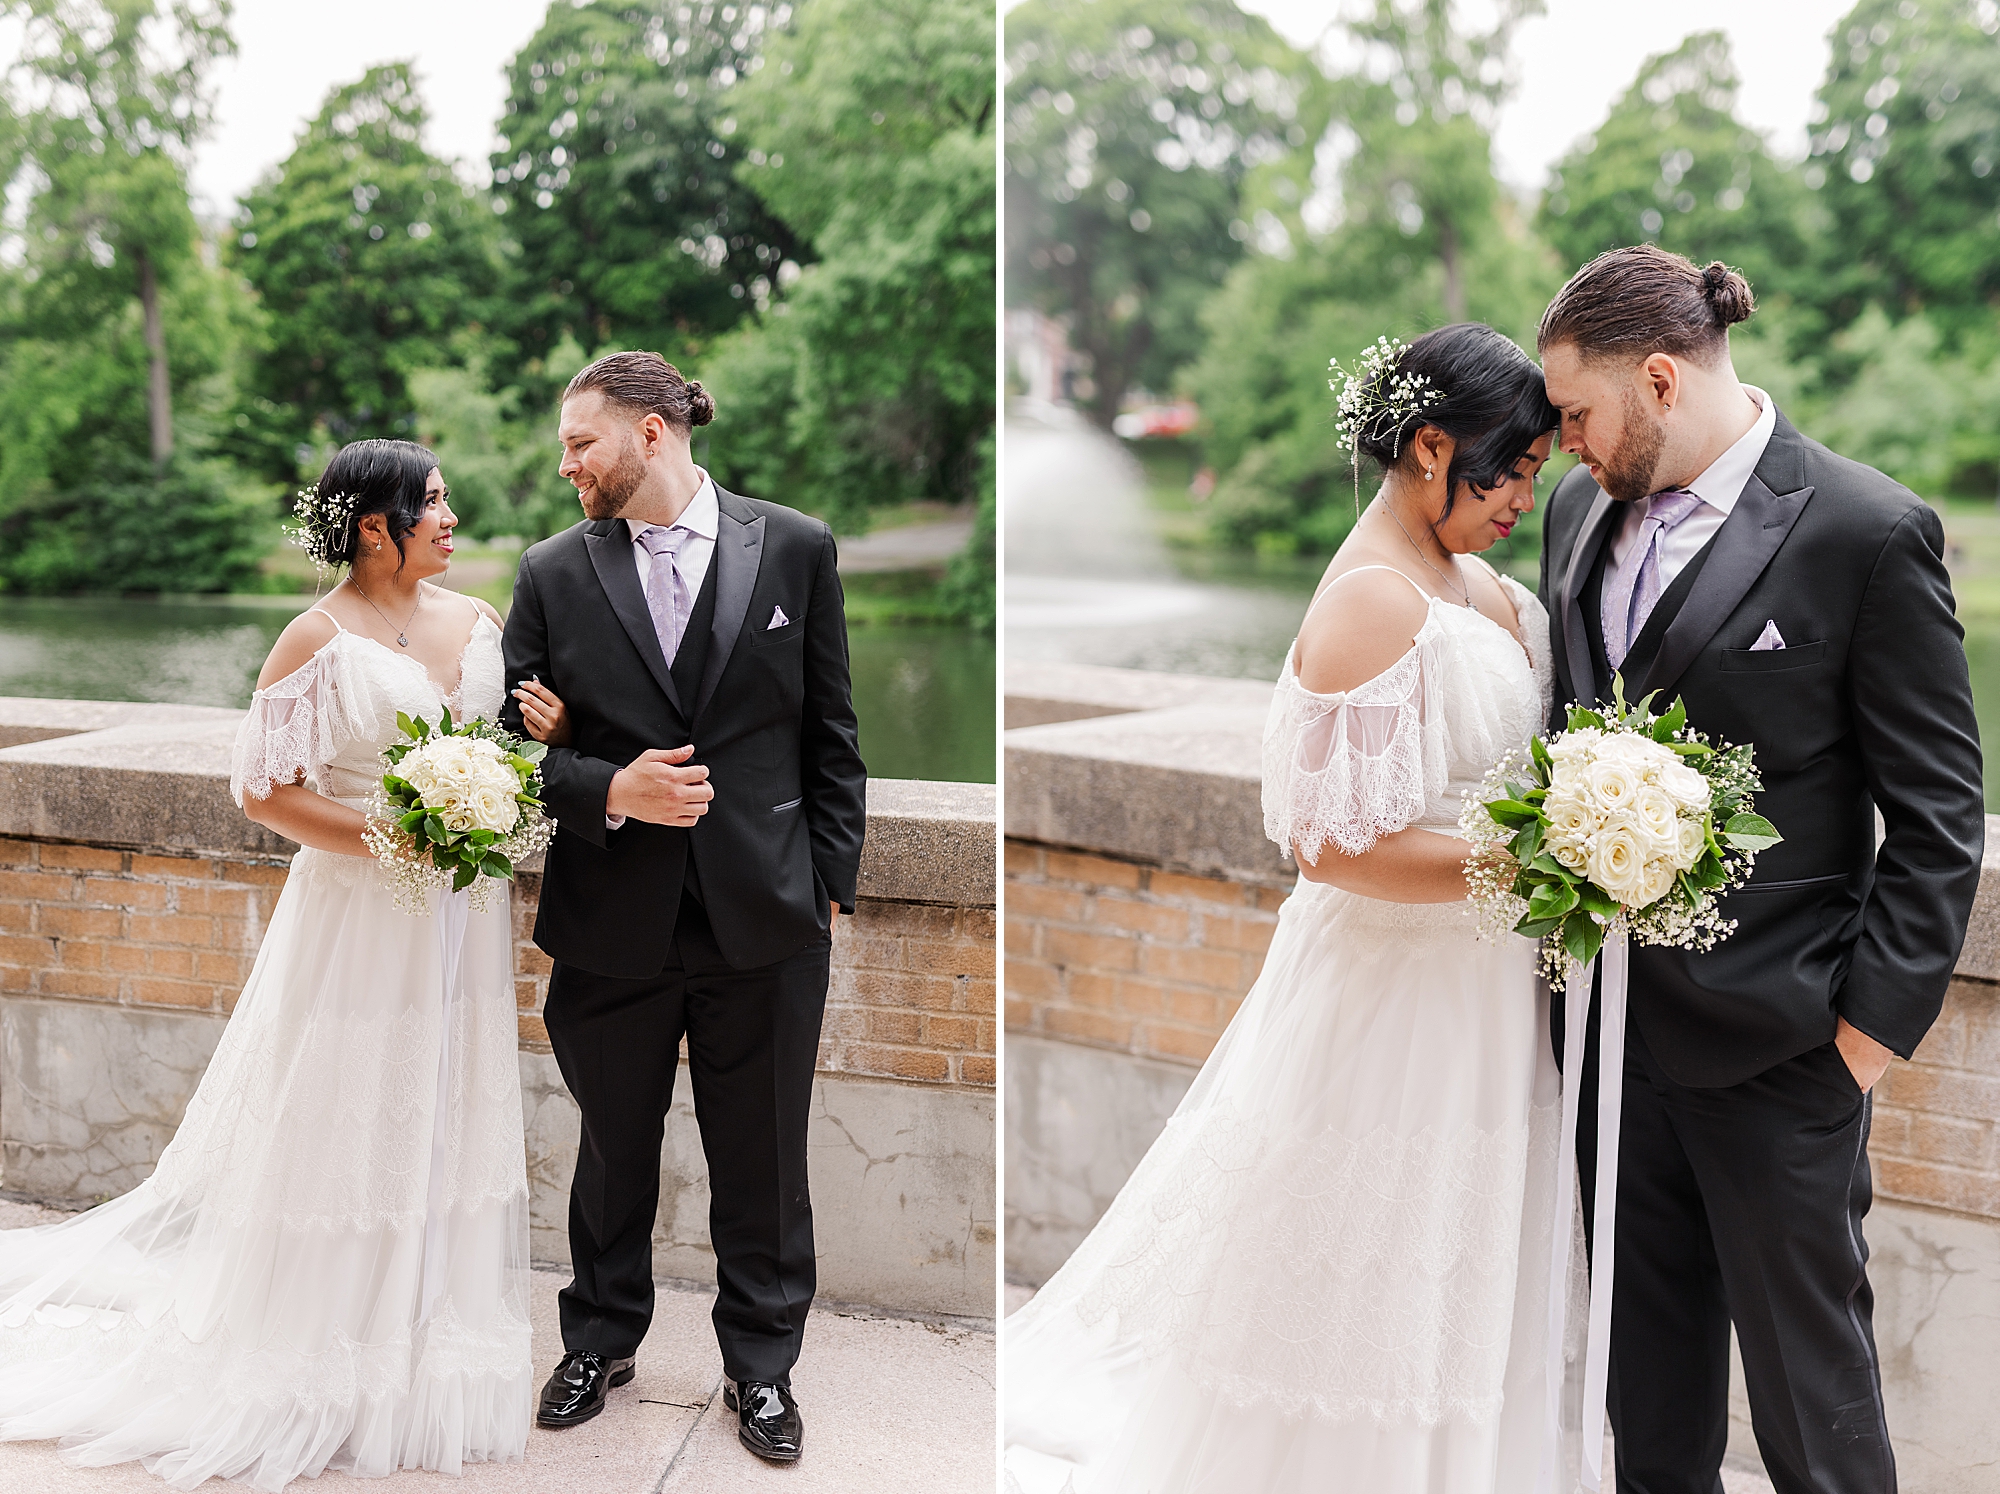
(1429,474)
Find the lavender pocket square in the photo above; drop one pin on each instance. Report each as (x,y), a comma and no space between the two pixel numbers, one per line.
(778,620)
(1769,639)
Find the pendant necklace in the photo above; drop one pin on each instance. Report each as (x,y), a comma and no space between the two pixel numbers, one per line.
(1462,589)
(401,639)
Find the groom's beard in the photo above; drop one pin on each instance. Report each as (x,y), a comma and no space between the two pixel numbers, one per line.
(1628,473)
(610,494)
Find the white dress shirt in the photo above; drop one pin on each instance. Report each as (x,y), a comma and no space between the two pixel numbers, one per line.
(702,516)
(1718,489)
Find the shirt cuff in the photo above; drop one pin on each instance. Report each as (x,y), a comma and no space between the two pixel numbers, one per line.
(613,821)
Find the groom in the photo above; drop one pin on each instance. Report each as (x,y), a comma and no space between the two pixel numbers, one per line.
(1799,602)
(711,806)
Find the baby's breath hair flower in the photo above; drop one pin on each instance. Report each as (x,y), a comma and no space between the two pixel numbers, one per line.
(1375,399)
(322,524)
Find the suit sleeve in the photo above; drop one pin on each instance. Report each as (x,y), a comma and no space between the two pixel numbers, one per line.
(1911,699)
(832,778)
(573,786)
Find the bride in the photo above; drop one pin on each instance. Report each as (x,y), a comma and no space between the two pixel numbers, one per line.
(327,1268)
(1330,1271)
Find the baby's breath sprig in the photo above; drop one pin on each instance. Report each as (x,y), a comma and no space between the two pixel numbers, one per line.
(1375,399)
(322,519)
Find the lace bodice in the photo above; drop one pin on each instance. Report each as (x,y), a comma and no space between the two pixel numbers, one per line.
(331,717)
(1402,749)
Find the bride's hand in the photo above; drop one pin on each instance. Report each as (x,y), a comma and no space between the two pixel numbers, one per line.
(543,713)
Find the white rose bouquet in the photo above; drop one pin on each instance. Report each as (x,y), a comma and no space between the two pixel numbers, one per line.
(458,808)
(1631,819)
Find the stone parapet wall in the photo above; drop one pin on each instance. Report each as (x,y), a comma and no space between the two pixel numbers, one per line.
(134,895)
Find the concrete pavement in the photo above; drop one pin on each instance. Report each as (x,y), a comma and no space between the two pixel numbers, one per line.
(891,1405)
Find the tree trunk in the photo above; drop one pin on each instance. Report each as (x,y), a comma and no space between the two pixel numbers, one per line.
(1454,283)
(159,397)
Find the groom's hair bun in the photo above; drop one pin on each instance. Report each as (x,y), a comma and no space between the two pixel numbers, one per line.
(646,384)
(1631,303)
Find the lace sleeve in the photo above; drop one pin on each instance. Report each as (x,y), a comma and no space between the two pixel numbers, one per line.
(288,733)
(1345,770)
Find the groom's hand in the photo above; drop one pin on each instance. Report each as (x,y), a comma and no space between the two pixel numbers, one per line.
(654,787)
(1867,1060)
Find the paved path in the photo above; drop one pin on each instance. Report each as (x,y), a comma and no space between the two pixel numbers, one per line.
(892,1407)
(908,547)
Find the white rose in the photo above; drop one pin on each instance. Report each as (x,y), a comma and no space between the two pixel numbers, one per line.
(493,810)
(1655,878)
(457,817)
(1693,842)
(1571,820)
(1571,855)
(1657,817)
(1612,785)
(1617,862)
(1687,786)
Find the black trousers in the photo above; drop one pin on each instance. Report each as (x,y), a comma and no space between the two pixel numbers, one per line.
(1741,1204)
(753,1045)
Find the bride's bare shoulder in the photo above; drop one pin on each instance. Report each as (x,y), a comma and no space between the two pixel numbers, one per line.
(304,636)
(1364,618)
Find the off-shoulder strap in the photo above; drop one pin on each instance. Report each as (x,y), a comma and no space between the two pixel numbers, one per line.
(1357,570)
(329,617)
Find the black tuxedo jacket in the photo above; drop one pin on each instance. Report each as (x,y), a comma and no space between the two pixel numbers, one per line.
(771,718)
(1867,707)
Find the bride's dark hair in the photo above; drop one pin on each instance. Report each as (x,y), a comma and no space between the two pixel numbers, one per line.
(376,476)
(1480,390)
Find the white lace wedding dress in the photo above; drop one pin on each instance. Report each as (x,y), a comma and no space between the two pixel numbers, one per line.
(327,1268)
(1330,1271)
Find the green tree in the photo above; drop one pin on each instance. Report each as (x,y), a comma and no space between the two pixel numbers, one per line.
(369,256)
(1672,165)
(1132,126)
(868,379)
(1908,151)
(1406,233)
(618,177)
(107,99)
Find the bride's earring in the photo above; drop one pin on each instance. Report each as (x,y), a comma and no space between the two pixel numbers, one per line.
(1429,473)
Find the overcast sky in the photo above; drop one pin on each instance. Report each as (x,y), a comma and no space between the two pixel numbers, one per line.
(1572,63)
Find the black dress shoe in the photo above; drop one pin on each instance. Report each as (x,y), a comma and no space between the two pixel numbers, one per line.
(767,1419)
(575,1392)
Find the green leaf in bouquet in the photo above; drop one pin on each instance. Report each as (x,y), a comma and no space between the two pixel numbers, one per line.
(1538,752)
(1581,716)
(1673,721)
(434,828)
(442,858)
(1549,866)
(445,724)
(413,819)
(480,838)
(1513,813)
(1595,899)
(1582,937)
(533,752)
(406,726)
(1528,844)
(496,865)
(1750,832)
(1537,928)
(1552,900)
(462,878)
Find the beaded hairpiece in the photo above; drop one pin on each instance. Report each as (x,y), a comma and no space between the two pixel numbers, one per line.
(1375,400)
(322,519)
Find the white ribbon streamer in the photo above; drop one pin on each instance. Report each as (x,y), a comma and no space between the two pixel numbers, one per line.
(1615,962)
(453,911)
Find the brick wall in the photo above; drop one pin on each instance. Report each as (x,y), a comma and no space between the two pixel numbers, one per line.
(912,994)
(1117,954)
(1936,1136)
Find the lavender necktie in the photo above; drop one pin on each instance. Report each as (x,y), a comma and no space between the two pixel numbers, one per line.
(1635,590)
(667,596)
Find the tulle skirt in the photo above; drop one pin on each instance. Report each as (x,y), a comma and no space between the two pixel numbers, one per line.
(328,1267)
(1330,1271)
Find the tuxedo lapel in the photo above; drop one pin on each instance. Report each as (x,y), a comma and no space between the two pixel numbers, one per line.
(1752,534)
(739,552)
(609,542)
(1590,540)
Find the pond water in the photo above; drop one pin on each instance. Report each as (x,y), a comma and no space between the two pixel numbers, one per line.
(924,696)
(1102,589)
